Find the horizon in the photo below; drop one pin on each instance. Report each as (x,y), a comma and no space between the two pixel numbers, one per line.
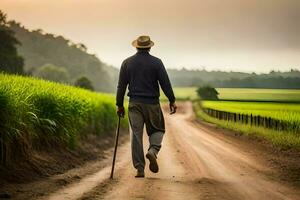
(227,44)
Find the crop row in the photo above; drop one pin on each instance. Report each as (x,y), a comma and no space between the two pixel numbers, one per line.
(35,112)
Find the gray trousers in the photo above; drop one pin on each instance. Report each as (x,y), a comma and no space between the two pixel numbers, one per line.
(151,115)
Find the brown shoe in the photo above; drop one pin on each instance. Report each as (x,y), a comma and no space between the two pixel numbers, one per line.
(153,163)
(140,174)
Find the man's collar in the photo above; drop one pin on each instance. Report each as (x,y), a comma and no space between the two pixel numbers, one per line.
(142,51)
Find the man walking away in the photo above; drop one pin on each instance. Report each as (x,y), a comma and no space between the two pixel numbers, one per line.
(143,73)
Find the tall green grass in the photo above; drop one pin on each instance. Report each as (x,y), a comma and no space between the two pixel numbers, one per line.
(51,113)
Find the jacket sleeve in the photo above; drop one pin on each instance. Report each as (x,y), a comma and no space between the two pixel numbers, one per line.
(122,85)
(165,83)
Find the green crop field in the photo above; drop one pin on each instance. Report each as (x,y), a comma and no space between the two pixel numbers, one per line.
(282,139)
(33,109)
(256,94)
(245,94)
(282,111)
(285,108)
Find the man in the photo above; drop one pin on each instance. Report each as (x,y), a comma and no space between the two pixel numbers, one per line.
(142,72)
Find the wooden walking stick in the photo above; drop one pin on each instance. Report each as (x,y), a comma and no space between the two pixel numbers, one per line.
(116,147)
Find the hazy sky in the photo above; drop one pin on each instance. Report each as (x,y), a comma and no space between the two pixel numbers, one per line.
(243,35)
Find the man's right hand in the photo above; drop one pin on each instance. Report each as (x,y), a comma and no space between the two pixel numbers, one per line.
(121,112)
(173,108)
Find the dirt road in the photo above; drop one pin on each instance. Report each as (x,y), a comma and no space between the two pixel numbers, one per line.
(195,163)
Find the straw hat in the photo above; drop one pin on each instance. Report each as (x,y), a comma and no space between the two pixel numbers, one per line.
(143,42)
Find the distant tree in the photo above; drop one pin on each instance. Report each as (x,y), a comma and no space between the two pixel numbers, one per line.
(82,47)
(3,21)
(10,61)
(84,82)
(207,93)
(53,73)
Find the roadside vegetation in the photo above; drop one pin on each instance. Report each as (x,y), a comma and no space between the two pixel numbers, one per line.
(39,113)
(282,139)
(278,122)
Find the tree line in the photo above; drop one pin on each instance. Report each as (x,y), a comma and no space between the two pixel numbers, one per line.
(195,78)
(260,82)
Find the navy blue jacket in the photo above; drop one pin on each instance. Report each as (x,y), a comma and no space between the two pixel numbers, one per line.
(143,73)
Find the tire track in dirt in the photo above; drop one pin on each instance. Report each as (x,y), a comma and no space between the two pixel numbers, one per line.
(77,189)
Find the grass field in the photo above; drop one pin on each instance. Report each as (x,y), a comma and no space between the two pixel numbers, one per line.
(259,94)
(282,139)
(285,108)
(38,110)
(185,93)
(289,112)
(242,94)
